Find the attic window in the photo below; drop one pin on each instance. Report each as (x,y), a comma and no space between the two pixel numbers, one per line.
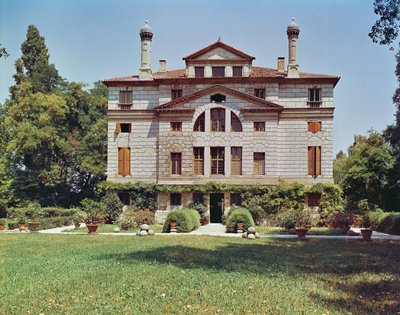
(217,98)
(199,72)
(218,72)
(237,71)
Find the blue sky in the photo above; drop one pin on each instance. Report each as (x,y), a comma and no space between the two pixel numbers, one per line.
(90,40)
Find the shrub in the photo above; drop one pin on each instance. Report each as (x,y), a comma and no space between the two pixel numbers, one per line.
(53,222)
(12,225)
(3,222)
(112,206)
(390,224)
(287,218)
(95,210)
(33,211)
(200,208)
(239,215)
(134,218)
(186,219)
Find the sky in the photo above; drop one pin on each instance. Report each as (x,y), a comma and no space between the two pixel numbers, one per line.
(90,40)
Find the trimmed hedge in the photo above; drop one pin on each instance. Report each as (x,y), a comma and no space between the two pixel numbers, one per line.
(49,212)
(239,215)
(186,219)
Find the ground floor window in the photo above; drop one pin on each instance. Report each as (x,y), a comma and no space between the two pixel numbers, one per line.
(314,161)
(236,199)
(175,199)
(124,197)
(259,163)
(198,198)
(217,161)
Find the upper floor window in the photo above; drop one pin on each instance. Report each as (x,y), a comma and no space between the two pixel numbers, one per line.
(176,126)
(198,161)
(176,163)
(218,72)
(217,98)
(199,72)
(199,125)
(314,97)
(124,161)
(176,94)
(236,125)
(259,93)
(217,119)
(217,161)
(236,161)
(198,198)
(237,71)
(125,99)
(314,126)
(122,128)
(259,163)
(314,161)
(236,199)
(259,126)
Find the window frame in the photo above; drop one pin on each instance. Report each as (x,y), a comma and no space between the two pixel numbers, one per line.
(314,161)
(219,119)
(259,164)
(199,72)
(198,160)
(176,126)
(259,92)
(237,71)
(236,161)
(129,125)
(314,126)
(218,71)
(176,93)
(257,124)
(200,123)
(124,161)
(175,199)
(312,99)
(219,160)
(235,197)
(235,121)
(125,100)
(176,163)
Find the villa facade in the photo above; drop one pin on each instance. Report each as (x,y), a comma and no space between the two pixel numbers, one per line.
(220,119)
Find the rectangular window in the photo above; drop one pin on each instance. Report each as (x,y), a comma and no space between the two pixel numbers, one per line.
(125,128)
(199,72)
(217,119)
(259,163)
(198,161)
(259,126)
(314,97)
(175,199)
(124,161)
(237,71)
(176,94)
(236,199)
(176,163)
(198,198)
(259,93)
(217,161)
(314,161)
(176,126)
(236,161)
(314,126)
(218,72)
(125,97)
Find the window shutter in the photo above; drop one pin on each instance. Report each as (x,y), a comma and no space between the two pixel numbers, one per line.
(120,161)
(118,128)
(317,126)
(127,161)
(311,160)
(318,160)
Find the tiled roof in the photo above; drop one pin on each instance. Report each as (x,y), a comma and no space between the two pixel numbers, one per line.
(256,72)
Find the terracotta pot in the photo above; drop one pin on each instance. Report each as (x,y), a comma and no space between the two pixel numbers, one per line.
(308,226)
(204,222)
(1,227)
(239,226)
(366,234)
(77,225)
(145,221)
(92,227)
(21,227)
(301,233)
(124,227)
(33,226)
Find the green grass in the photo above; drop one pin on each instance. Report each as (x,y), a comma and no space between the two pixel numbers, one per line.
(312,231)
(99,274)
(108,228)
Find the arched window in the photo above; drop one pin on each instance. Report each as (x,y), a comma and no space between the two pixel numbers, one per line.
(236,125)
(217,98)
(199,125)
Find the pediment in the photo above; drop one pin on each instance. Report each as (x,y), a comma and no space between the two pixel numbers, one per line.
(253,102)
(218,51)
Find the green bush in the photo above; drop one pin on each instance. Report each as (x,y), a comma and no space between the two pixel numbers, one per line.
(12,225)
(95,211)
(32,212)
(113,206)
(239,215)
(134,218)
(54,222)
(186,219)
(287,218)
(390,224)
(3,222)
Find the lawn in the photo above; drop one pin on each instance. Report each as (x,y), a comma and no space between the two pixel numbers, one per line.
(108,228)
(99,274)
(312,231)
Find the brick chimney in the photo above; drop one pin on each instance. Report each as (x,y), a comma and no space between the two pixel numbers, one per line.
(281,64)
(162,65)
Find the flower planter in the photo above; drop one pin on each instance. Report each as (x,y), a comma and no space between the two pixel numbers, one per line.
(366,234)
(124,227)
(92,227)
(204,222)
(301,233)
(21,227)
(239,226)
(33,227)
(1,227)
(77,225)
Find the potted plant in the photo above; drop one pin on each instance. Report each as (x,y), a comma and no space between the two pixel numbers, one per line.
(93,220)
(239,225)
(21,223)
(205,220)
(343,221)
(303,218)
(12,225)
(125,222)
(2,224)
(366,230)
(173,224)
(33,226)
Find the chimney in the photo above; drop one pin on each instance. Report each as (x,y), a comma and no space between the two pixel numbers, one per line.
(162,65)
(281,64)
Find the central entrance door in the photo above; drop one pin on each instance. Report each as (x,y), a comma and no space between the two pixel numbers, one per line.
(216,207)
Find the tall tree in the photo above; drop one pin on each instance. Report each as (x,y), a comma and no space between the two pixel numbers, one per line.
(3,52)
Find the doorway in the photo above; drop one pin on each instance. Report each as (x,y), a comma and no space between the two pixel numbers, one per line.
(216,207)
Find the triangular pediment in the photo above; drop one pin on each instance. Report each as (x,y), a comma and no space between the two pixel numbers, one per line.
(259,103)
(218,51)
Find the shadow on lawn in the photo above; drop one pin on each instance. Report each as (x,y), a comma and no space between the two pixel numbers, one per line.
(332,262)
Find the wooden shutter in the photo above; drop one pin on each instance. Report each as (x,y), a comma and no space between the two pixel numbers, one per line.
(317,126)
(124,161)
(317,160)
(311,162)
(118,128)
(120,161)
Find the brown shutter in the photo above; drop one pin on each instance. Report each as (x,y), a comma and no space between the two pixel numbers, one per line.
(118,128)
(318,160)
(120,161)
(127,161)
(311,160)
(317,126)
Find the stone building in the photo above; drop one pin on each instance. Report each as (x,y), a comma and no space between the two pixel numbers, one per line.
(220,119)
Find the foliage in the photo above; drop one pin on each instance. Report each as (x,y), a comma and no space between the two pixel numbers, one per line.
(390,224)
(33,210)
(200,208)
(386,28)
(22,220)
(113,206)
(186,219)
(134,218)
(95,211)
(239,215)
(3,52)
(295,217)
(331,198)
(3,221)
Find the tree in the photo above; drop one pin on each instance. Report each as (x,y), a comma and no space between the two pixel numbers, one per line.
(339,167)
(3,52)
(367,168)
